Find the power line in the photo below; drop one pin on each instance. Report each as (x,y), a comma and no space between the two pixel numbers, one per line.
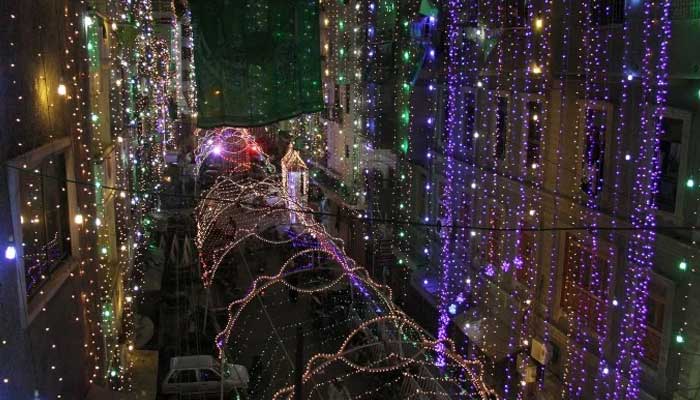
(387,221)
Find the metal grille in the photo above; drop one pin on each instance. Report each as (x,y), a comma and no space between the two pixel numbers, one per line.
(685,9)
(162,5)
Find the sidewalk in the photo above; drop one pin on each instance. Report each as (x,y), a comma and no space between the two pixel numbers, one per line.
(145,380)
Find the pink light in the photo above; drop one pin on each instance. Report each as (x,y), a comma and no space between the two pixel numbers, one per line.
(217,149)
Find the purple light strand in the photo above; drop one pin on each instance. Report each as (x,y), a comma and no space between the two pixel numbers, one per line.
(454,244)
(641,251)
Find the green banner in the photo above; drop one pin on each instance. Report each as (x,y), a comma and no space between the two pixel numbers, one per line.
(256,61)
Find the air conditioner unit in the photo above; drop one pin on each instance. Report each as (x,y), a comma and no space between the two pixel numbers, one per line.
(541,352)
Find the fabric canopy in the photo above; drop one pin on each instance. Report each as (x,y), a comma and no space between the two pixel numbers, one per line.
(256,61)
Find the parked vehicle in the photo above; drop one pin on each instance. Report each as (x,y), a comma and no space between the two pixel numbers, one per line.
(200,376)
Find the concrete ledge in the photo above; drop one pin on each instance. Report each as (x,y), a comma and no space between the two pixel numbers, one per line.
(144,380)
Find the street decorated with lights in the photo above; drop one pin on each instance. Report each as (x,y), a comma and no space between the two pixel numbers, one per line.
(350,199)
(318,283)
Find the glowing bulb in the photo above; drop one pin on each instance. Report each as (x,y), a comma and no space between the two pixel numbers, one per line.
(78,219)
(539,23)
(62,90)
(87,21)
(532,212)
(129,299)
(98,222)
(10,252)
(679,338)
(114,26)
(606,371)
(536,69)
(217,149)
(690,183)
(683,266)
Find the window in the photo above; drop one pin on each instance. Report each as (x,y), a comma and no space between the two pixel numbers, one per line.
(501,126)
(337,112)
(493,240)
(208,375)
(670,159)
(420,196)
(534,132)
(516,12)
(594,152)
(525,262)
(607,12)
(585,287)
(656,309)
(44,218)
(470,119)
(347,99)
(183,376)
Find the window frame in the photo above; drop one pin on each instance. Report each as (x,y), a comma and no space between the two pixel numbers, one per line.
(605,251)
(520,100)
(665,333)
(217,374)
(676,217)
(497,96)
(30,308)
(603,196)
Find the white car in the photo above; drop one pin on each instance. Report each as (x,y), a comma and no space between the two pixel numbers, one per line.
(200,376)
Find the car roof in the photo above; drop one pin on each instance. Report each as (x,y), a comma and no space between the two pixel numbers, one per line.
(188,362)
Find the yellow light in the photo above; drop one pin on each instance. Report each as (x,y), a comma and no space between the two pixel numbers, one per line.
(114,26)
(536,69)
(539,23)
(62,90)
(78,219)
(326,22)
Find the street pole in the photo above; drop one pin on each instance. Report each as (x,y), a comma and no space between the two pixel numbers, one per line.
(223,363)
(299,364)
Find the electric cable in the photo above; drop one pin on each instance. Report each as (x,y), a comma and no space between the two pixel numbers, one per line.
(388,221)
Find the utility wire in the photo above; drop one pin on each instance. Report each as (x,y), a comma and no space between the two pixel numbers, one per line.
(388,221)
